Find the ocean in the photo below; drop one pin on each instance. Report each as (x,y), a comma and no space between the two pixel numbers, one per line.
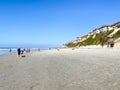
(4,50)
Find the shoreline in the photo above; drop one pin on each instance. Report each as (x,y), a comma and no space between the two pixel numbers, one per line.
(61,48)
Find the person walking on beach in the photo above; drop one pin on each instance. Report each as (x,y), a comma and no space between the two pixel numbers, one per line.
(19,51)
(10,50)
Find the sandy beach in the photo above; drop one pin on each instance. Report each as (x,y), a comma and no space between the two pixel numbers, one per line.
(67,69)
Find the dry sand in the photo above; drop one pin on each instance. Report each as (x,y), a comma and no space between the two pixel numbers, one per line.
(67,69)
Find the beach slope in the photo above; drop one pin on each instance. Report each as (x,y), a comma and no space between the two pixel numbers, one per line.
(67,69)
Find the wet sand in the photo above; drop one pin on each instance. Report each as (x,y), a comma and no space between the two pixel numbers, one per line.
(67,69)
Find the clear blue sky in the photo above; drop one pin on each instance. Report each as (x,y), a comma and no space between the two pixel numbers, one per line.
(53,22)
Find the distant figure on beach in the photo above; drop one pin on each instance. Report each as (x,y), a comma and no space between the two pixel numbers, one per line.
(10,50)
(73,48)
(22,51)
(19,51)
(28,50)
(38,49)
(57,49)
(110,43)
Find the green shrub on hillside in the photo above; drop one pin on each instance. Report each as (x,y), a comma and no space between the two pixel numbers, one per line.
(100,38)
(109,32)
(116,35)
(71,44)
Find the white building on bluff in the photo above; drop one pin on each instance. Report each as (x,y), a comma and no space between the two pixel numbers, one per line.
(105,28)
(101,29)
(116,25)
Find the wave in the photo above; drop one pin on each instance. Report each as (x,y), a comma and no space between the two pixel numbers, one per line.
(4,50)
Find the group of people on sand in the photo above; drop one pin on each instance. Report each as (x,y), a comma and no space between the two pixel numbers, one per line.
(20,51)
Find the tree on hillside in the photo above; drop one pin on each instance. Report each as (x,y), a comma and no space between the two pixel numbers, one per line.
(103,39)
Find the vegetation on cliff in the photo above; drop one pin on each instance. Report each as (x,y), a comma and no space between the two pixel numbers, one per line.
(97,39)
(116,35)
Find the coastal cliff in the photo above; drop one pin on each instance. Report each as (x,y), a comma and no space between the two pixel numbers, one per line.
(98,36)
